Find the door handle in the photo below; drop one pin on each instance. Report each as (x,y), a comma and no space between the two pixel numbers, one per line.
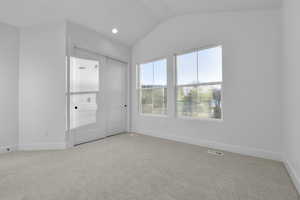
(76,107)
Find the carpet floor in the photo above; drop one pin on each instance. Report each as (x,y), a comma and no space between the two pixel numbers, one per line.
(137,167)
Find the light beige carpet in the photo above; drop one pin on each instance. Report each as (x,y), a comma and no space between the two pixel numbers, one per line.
(137,167)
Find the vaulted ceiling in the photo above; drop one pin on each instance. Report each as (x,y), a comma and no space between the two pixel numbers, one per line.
(133,18)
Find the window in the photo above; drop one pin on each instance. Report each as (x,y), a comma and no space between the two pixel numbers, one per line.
(153,87)
(199,84)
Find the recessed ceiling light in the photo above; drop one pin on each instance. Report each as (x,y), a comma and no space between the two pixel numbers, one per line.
(114,31)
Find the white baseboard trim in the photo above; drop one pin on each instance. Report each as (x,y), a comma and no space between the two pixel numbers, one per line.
(216,145)
(292,172)
(42,146)
(8,148)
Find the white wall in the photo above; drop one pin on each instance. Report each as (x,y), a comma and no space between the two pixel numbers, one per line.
(291,92)
(251,101)
(86,38)
(9,61)
(42,87)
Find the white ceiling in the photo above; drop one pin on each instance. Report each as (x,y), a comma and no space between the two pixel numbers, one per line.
(133,18)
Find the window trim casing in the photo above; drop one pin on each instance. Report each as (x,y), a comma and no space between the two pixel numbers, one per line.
(138,88)
(175,86)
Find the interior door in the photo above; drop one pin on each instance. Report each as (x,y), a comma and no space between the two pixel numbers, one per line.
(115,86)
(87,121)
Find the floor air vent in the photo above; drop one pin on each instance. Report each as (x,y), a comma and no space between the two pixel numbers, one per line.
(216,153)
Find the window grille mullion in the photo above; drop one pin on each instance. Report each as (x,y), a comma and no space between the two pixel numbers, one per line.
(197,68)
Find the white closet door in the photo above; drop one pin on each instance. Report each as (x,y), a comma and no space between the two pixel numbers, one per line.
(96,97)
(116,106)
(87,120)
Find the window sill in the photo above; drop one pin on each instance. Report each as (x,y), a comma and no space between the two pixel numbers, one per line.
(154,115)
(200,119)
(183,118)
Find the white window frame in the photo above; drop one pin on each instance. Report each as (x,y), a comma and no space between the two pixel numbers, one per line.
(197,84)
(138,87)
